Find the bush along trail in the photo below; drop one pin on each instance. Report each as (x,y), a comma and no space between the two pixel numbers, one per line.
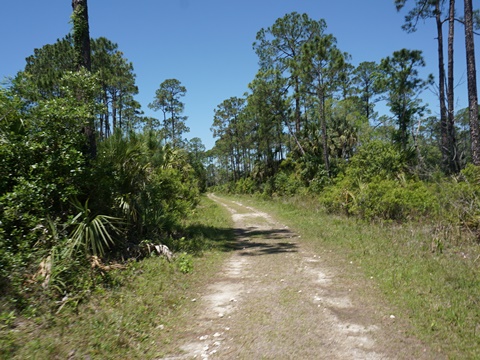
(276,298)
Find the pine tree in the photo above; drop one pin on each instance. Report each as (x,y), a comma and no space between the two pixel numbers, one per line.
(167,99)
(472,83)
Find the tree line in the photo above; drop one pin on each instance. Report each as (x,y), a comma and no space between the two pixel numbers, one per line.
(85,177)
(309,106)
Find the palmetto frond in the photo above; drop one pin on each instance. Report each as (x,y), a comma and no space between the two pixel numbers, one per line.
(91,233)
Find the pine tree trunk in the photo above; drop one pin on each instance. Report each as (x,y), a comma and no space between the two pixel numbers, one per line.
(114,111)
(472,83)
(174,145)
(323,124)
(81,34)
(454,160)
(81,39)
(120,110)
(298,115)
(444,143)
(106,116)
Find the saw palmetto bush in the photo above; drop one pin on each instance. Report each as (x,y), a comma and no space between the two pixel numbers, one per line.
(121,171)
(92,234)
(377,184)
(171,193)
(459,200)
(149,185)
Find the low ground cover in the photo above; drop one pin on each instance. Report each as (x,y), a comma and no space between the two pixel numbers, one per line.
(135,314)
(430,274)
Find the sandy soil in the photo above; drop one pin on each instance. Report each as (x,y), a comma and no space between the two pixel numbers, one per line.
(275,299)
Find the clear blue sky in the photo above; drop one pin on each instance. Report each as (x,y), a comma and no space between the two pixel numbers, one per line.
(207,44)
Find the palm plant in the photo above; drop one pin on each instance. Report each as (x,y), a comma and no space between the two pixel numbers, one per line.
(91,233)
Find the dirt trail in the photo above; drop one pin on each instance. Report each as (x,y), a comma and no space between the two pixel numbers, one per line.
(276,300)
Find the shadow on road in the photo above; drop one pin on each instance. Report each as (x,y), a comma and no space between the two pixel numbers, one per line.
(210,237)
(250,243)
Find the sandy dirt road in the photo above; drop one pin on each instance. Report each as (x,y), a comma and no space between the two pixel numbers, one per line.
(276,299)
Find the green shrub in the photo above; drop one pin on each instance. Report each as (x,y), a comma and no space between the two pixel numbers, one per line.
(376,159)
(374,186)
(339,198)
(471,174)
(245,186)
(287,184)
(394,200)
(151,187)
(459,199)
(185,263)
(384,199)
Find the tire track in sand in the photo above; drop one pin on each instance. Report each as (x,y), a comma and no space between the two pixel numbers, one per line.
(275,300)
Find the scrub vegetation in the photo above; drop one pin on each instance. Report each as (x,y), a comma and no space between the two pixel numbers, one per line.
(101,207)
(134,312)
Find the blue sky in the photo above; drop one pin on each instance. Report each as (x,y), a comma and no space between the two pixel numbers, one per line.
(207,44)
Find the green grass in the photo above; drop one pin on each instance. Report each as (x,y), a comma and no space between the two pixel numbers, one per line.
(137,314)
(431,281)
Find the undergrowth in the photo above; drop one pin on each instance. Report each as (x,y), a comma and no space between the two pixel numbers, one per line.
(133,314)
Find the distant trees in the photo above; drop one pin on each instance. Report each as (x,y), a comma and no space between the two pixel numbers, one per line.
(308,109)
(365,81)
(403,85)
(267,113)
(280,47)
(197,158)
(42,79)
(423,9)
(168,100)
(323,65)
(117,80)
(229,126)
